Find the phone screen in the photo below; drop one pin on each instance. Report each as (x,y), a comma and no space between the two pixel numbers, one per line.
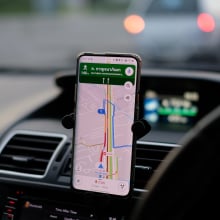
(105,109)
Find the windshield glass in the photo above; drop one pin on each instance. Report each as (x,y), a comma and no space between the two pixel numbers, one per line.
(172,6)
(48,34)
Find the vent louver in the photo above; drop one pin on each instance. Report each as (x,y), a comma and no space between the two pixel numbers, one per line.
(148,156)
(29,153)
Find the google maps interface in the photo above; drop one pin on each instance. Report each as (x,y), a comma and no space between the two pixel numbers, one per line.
(103,139)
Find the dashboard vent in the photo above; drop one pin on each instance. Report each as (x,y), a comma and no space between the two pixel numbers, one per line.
(29,153)
(148,156)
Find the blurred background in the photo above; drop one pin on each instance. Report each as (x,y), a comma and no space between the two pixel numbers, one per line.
(48,34)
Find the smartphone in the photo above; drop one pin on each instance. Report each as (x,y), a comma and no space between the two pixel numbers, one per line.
(106,106)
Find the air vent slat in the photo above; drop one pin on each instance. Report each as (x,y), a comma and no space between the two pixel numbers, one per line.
(143,171)
(21,151)
(148,158)
(67,168)
(146,163)
(6,157)
(28,148)
(22,169)
(37,141)
(28,153)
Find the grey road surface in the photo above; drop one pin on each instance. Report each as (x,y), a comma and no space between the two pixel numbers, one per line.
(49,41)
(21,94)
(54,40)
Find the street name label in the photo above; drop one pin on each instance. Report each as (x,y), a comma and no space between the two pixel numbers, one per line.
(112,74)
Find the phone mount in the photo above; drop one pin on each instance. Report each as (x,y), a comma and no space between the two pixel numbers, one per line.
(117,206)
(140,127)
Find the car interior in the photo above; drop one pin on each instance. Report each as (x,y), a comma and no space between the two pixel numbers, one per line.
(176,170)
(35,160)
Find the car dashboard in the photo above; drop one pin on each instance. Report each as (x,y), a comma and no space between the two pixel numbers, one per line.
(36,149)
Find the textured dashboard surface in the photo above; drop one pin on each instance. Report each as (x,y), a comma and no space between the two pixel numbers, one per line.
(32,112)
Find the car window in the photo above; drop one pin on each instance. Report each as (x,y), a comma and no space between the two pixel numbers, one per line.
(45,152)
(49,34)
(211,6)
(172,6)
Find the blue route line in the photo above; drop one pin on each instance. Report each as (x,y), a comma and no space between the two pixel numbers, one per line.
(122,146)
(103,111)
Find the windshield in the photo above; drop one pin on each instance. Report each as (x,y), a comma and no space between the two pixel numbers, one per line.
(172,6)
(49,34)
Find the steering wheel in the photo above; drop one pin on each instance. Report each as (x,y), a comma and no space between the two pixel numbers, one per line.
(187,184)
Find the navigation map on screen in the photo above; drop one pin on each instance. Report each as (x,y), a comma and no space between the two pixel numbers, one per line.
(103,136)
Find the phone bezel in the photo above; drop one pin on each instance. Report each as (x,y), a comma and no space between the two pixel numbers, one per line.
(136,115)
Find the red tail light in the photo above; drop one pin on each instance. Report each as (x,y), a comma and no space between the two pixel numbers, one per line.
(134,24)
(206,22)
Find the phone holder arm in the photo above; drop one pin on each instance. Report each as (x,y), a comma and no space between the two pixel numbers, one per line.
(140,127)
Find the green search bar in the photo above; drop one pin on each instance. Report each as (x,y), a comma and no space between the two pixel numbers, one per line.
(113,74)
